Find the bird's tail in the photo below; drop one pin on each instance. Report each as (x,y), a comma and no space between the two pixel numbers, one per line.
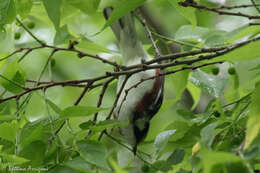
(123,28)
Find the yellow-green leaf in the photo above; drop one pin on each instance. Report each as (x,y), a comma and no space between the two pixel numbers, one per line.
(253,123)
(187,12)
(80,111)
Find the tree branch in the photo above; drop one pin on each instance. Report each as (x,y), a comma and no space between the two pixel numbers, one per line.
(218,10)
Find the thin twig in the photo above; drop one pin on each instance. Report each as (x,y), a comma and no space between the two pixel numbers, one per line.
(82,54)
(69,48)
(175,41)
(29,32)
(217,10)
(101,96)
(237,101)
(75,104)
(237,6)
(115,102)
(171,72)
(128,148)
(255,5)
(150,35)
(13,53)
(82,94)
(63,83)
(254,23)
(144,67)
(46,65)
(216,52)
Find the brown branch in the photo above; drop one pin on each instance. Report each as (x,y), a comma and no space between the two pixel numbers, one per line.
(13,53)
(56,132)
(21,50)
(115,102)
(69,84)
(82,94)
(82,54)
(217,10)
(75,104)
(70,48)
(175,56)
(144,67)
(254,23)
(63,83)
(171,72)
(101,96)
(237,6)
(217,52)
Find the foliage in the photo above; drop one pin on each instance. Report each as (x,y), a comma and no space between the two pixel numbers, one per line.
(58,69)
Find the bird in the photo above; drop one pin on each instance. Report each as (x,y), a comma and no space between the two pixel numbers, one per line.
(141,103)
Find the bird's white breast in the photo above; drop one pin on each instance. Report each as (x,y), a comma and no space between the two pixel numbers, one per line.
(127,103)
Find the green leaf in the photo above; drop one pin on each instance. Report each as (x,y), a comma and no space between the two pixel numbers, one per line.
(2,62)
(195,93)
(162,139)
(255,68)
(79,164)
(107,124)
(23,7)
(91,47)
(8,130)
(181,126)
(7,11)
(161,165)
(212,160)
(185,114)
(13,77)
(187,12)
(253,123)
(179,81)
(211,84)
(7,117)
(215,39)
(241,54)
(80,111)
(86,6)
(93,152)
(176,157)
(35,152)
(31,133)
(186,32)
(54,107)
(116,168)
(207,134)
(183,171)
(87,124)
(53,10)
(121,9)
(12,159)
(242,32)
(62,35)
